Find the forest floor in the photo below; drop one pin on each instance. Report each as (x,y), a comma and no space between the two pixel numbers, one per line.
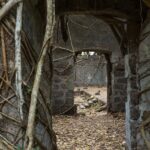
(89,129)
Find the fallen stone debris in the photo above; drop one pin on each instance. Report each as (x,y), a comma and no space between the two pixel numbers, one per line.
(91,128)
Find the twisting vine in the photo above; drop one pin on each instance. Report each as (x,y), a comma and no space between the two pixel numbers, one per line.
(47,41)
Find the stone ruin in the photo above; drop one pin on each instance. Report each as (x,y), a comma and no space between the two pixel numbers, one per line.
(127,55)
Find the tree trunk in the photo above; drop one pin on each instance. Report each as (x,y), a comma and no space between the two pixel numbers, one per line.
(12,127)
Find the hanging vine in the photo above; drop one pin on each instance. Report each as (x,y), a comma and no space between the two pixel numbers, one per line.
(47,41)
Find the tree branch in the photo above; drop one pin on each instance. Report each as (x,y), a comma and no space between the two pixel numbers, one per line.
(18,67)
(47,40)
(7,7)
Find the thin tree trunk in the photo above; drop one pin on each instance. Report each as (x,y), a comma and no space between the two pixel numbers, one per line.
(18,66)
(33,103)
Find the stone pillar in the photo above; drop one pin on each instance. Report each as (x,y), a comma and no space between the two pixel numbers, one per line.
(119,86)
(63,82)
(144,78)
(132,103)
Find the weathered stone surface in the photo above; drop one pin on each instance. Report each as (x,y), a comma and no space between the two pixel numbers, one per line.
(34,29)
(56,80)
(90,70)
(134,97)
(117,99)
(122,80)
(56,86)
(132,63)
(144,78)
(62,87)
(135,114)
(70,94)
(58,93)
(64,68)
(119,73)
(133,82)
(132,110)
(119,87)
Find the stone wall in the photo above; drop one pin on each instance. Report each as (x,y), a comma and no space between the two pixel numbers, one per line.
(144,96)
(88,32)
(63,82)
(119,87)
(83,32)
(90,71)
(132,103)
(34,27)
(34,21)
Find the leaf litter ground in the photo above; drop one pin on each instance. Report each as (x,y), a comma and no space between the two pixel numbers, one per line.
(90,130)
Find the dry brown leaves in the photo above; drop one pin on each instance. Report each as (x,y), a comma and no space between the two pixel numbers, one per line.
(94,131)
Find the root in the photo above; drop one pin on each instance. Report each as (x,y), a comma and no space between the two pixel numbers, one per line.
(5,144)
(143,132)
(33,104)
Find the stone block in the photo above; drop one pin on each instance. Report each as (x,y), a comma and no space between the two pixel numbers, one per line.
(134,99)
(119,73)
(133,83)
(119,66)
(120,87)
(69,94)
(122,80)
(132,63)
(59,101)
(135,113)
(117,99)
(134,129)
(120,93)
(56,80)
(117,107)
(57,94)
(64,86)
(55,86)
(69,100)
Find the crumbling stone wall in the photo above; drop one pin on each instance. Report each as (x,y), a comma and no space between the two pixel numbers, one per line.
(119,87)
(89,32)
(14,131)
(34,25)
(144,96)
(63,82)
(132,103)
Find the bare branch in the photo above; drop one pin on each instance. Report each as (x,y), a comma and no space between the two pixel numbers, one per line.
(47,40)
(7,7)
(18,67)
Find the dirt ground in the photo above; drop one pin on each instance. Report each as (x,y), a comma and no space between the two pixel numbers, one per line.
(89,129)
(92,90)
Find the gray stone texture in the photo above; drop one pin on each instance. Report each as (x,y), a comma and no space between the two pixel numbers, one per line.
(119,87)
(90,71)
(132,103)
(84,32)
(63,82)
(144,78)
(34,26)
